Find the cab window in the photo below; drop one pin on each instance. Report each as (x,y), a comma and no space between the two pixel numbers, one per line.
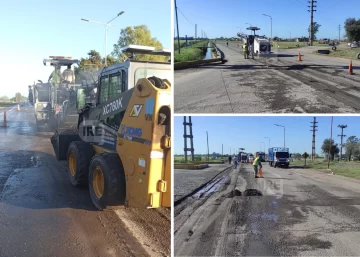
(114,85)
(104,88)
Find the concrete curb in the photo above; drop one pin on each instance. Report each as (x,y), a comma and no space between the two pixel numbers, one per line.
(183,198)
(193,166)
(182,65)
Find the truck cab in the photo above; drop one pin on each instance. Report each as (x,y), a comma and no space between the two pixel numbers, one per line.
(251,158)
(244,157)
(279,156)
(262,46)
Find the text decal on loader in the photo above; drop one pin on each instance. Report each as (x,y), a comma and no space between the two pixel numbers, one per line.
(149,109)
(125,130)
(113,106)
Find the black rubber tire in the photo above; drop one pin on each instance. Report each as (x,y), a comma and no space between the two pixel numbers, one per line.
(334,48)
(83,154)
(114,181)
(322,51)
(358,56)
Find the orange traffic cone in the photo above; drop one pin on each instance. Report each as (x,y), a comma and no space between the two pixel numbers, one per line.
(299,57)
(350,70)
(260,173)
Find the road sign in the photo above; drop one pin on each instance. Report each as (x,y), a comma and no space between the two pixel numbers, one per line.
(305,155)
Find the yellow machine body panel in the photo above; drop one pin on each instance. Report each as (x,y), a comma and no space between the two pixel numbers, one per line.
(143,145)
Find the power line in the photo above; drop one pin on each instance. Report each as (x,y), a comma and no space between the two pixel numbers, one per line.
(185,17)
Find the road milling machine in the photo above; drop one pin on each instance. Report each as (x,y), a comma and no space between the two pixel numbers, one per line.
(257,45)
(52,102)
(121,146)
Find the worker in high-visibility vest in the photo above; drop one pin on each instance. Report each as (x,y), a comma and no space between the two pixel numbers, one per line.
(56,77)
(245,51)
(256,165)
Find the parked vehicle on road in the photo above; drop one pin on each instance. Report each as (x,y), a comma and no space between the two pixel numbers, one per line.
(244,157)
(262,156)
(250,157)
(279,156)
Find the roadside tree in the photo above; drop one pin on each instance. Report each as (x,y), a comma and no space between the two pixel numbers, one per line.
(316,27)
(4,99)
(351,146)
(137,35)
(352,28)
(334,148)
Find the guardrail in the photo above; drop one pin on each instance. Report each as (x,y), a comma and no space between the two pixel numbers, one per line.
(219,52)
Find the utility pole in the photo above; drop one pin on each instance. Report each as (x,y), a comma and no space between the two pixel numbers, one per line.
(186,136)
(312,10)
(222,149)
(313,126)
(177,25)
(195,31)
(207,139)
(339,32)
(330,142)
(341,138)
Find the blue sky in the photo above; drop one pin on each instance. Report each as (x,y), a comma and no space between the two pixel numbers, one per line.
(34,30)
(221,18)
(248,131)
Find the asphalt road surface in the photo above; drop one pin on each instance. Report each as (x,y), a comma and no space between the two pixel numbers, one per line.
(280,84)
(291,212)
(41,214)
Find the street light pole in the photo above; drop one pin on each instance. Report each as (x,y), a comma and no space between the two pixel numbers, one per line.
(270,25)
(207,139)
(269,140)
(284,131)
(248,23)
(106,25)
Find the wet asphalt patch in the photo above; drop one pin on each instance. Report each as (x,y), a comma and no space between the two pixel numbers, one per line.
(247,192)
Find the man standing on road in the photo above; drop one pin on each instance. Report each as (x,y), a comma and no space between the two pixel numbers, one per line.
(256,164)
(56,77)
(69,75)
(235,161)
(227,43)
(229,159)
(245,51)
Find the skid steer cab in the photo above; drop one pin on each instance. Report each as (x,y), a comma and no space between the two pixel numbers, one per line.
(121,149)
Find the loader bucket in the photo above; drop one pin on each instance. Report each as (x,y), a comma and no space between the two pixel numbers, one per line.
(61,142)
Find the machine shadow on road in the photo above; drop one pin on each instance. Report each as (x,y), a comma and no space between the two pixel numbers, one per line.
(271,66)
(35,180)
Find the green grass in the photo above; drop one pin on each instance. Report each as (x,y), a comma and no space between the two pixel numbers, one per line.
(344,168)
(190,53)
(6,104)
(342,53)
(287,45)
(198,158)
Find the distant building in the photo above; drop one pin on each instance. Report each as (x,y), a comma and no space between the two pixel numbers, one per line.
(302,39)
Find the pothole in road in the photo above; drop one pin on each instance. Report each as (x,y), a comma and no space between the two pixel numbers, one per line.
(247,192)
(252,192)
(234,193)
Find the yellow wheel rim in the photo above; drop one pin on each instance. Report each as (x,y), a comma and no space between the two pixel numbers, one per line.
(72,164)
(98,182)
